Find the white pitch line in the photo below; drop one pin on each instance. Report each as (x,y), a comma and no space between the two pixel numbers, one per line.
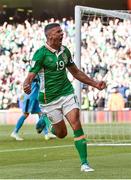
(34,148)
(62,146)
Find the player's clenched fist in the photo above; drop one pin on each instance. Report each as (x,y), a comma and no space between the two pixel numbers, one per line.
(101,85)
(27,88)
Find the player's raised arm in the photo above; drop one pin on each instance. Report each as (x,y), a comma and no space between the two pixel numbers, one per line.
(82,77)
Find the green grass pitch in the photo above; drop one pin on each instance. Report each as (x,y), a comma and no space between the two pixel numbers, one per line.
(35,158)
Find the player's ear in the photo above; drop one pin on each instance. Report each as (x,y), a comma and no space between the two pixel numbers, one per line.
(48,33)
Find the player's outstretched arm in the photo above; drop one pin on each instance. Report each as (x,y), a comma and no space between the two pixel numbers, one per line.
(81,76)
(27,82)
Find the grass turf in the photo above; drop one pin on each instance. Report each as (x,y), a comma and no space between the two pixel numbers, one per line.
(35,158)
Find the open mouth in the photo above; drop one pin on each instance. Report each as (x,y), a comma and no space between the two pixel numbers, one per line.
(61,38)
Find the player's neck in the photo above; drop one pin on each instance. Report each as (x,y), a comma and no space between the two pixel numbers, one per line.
(53,46)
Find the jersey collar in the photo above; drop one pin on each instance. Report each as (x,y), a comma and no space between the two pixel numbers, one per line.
(50,48)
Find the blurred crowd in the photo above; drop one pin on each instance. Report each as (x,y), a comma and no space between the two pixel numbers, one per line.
(106,54)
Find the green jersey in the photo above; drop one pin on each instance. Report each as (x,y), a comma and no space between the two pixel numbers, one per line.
(53,65)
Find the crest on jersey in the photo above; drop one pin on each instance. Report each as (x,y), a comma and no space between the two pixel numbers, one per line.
(50,59)
(65,58)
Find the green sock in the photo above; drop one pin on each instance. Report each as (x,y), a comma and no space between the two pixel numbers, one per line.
(80,144)
(49,125)
(52,129)
(48,122)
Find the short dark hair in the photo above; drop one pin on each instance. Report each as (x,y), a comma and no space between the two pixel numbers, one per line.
(50,26)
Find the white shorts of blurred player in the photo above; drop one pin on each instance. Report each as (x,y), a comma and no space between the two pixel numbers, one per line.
(56,110)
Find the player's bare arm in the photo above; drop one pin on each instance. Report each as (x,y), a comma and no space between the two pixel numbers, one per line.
(27,82)
(81,76)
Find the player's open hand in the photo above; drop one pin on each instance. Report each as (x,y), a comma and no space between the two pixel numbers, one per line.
(101,85)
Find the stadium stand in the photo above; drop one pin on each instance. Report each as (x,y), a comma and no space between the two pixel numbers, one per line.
(103,47)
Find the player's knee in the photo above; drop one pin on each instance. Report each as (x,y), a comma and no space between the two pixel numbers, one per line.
(76,125)
(62,134)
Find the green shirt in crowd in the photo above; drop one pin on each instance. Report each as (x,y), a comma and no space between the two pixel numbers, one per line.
(52,66)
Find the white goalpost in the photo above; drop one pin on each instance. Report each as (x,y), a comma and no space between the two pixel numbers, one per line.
(108,131)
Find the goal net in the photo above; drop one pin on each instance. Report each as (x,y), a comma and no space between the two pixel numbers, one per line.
(103,52)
